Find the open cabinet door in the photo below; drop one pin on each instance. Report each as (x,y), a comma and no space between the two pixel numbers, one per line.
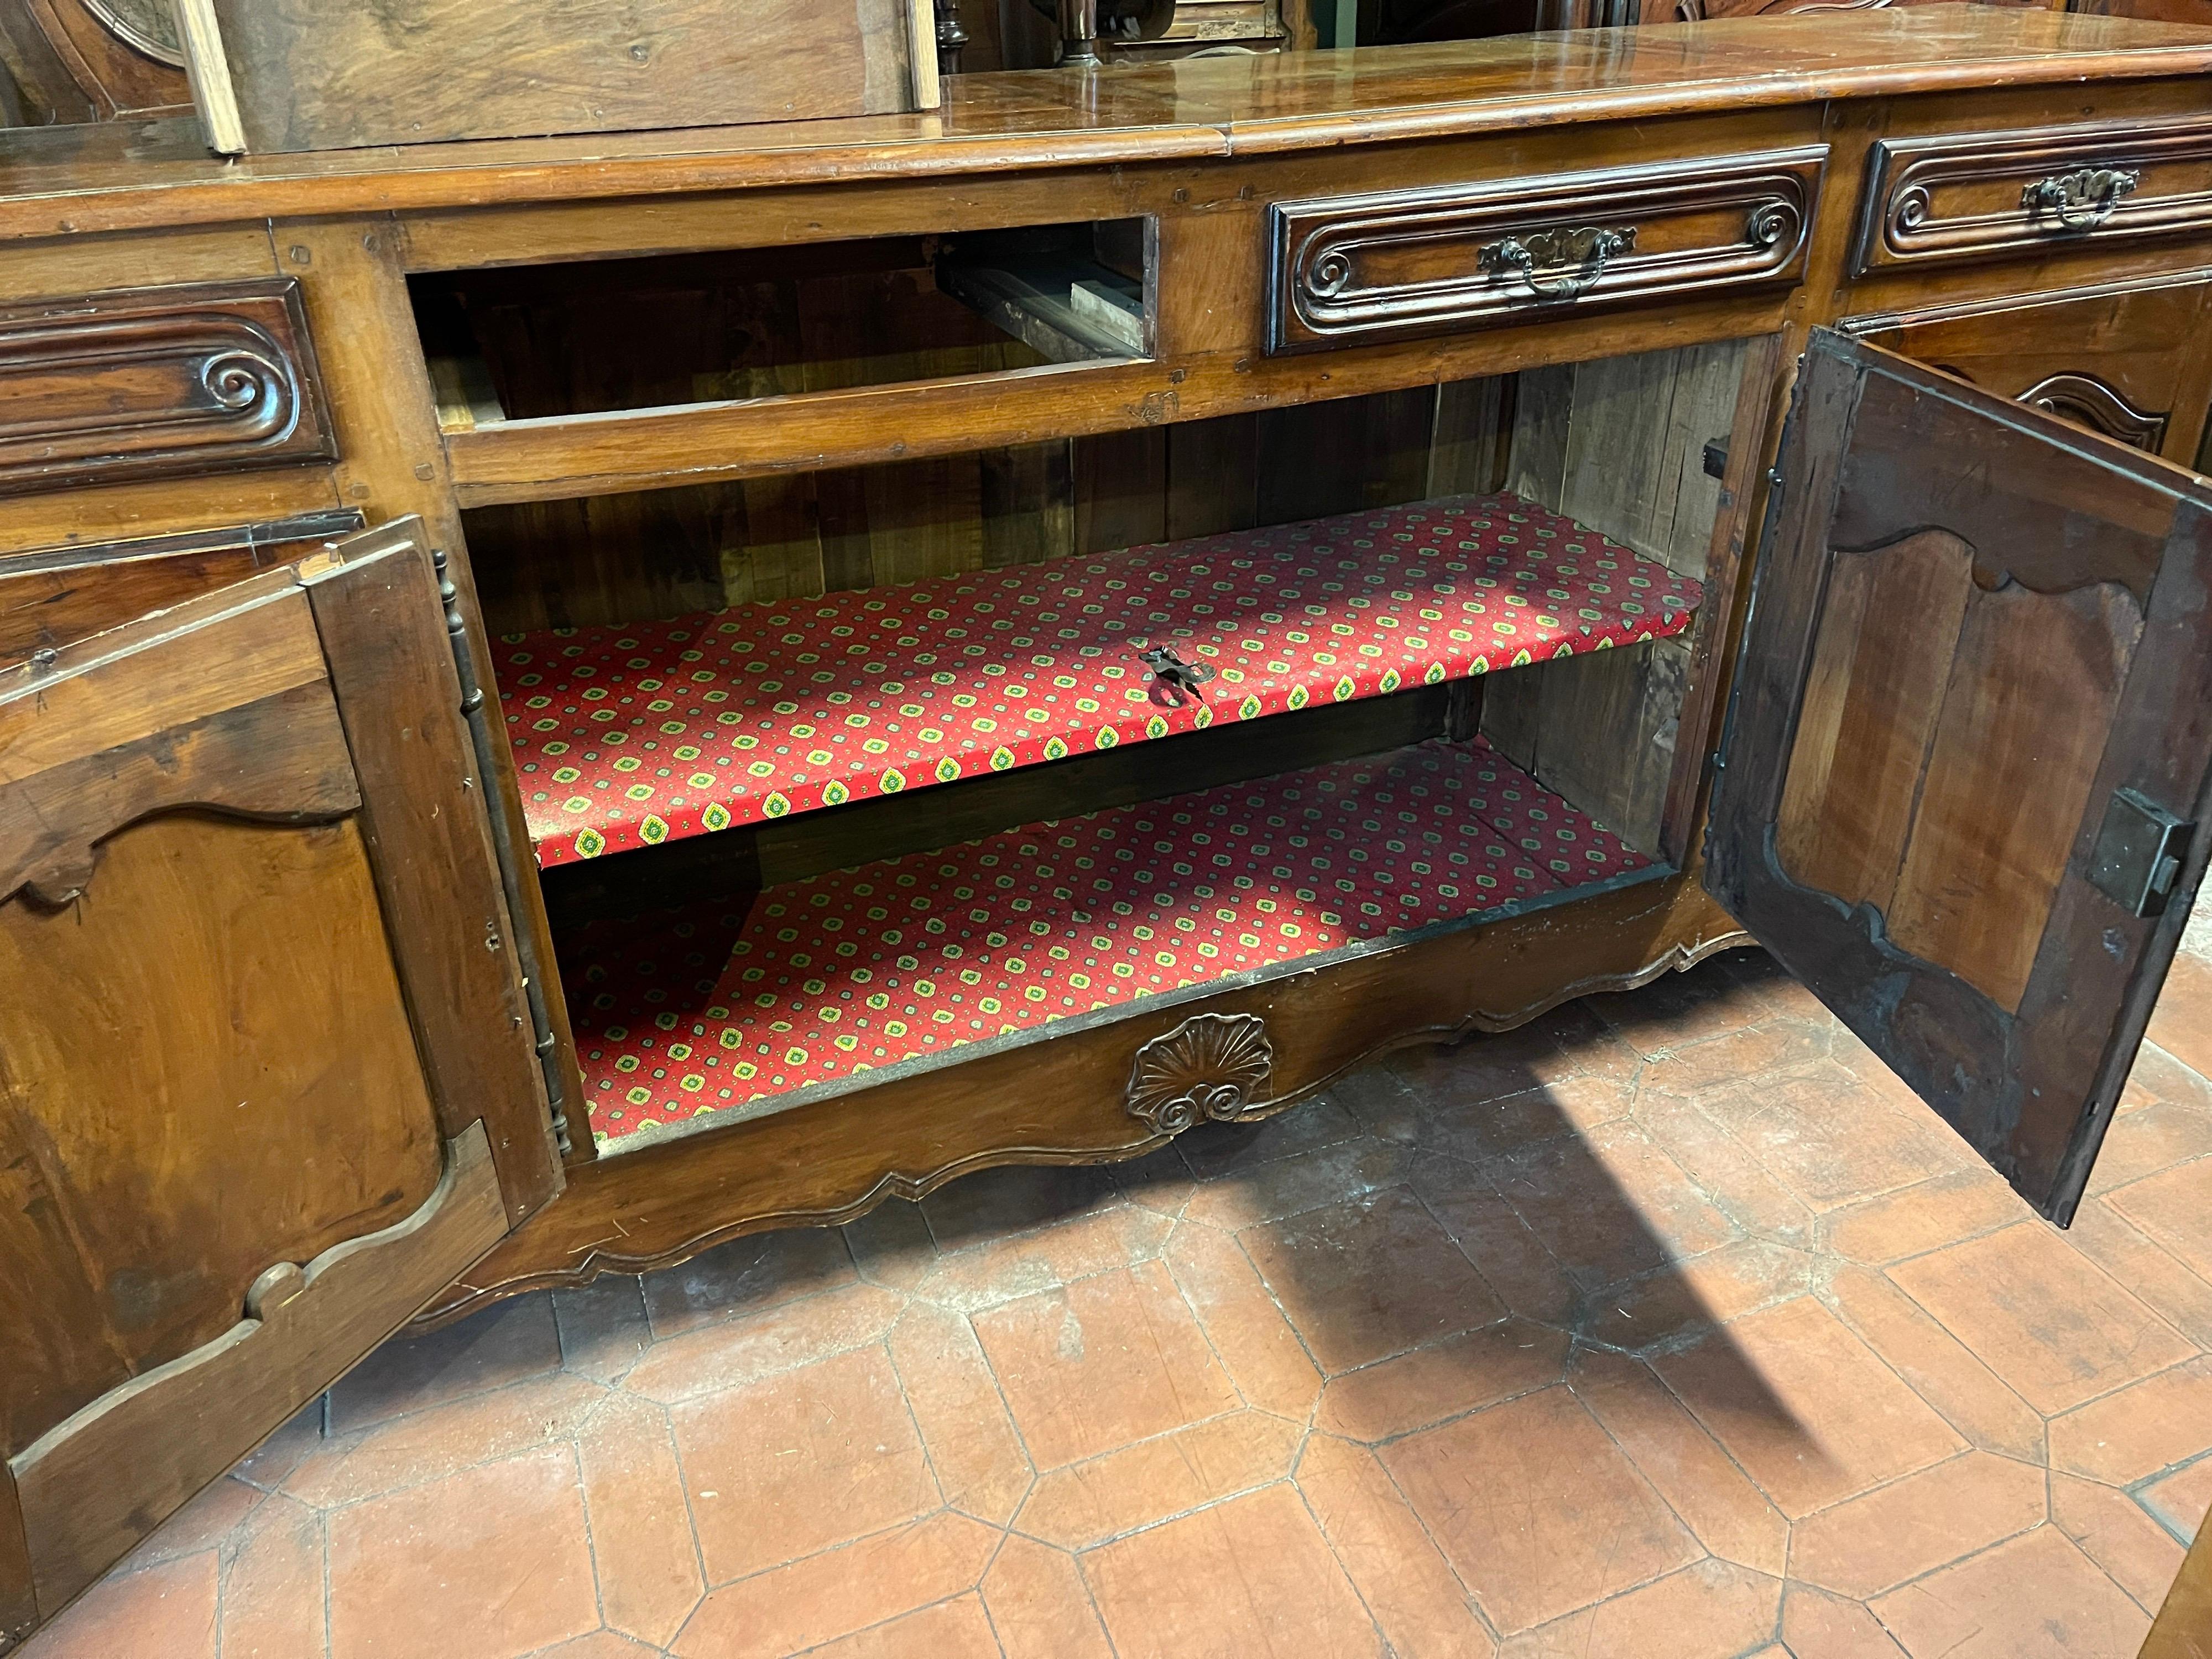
(1968,745)
(267,1075)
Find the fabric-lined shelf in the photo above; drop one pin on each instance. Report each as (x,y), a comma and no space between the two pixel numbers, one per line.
(682,1014)
(633,735)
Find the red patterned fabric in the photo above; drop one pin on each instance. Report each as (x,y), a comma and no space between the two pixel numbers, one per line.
(629,736)
(682,1014)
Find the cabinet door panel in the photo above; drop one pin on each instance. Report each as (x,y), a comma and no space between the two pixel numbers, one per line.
(237,1146)
(2130,361)
(1971,734)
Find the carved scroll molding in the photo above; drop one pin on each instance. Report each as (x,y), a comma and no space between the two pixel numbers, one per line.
(1351,269)
(2088,401)
(151,383)
(1212,1065)
(1936,199)
(96,1483)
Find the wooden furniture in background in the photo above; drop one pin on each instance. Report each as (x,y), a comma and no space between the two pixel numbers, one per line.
(89,60)
(653,386)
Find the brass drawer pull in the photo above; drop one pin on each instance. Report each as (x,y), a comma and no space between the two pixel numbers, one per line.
(1585,251)
(2082,199)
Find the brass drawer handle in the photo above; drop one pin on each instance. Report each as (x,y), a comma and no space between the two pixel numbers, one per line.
(1583,251)
(2082,199)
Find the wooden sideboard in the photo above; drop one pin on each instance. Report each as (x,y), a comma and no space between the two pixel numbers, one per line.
(567,700)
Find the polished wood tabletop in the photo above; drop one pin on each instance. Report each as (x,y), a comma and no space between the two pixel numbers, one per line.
(74,181)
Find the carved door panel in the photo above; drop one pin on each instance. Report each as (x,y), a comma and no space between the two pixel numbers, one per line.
(2130,361)
(1969,741)
(267,1078)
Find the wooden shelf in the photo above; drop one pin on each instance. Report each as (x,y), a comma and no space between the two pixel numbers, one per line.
(826,981)
(633,736)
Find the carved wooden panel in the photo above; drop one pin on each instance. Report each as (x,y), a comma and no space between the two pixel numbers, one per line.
(1213,1067)
(149,383)
(1985,195)
(1967,745)
(2129,360)
(1349,270)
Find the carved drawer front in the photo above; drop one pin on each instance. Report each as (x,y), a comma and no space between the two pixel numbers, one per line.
(1987,195)
(1349,270)
(149,383)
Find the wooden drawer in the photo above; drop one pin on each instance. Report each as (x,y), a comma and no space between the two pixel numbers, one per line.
(159,383)
(1349,270)
(1987,195)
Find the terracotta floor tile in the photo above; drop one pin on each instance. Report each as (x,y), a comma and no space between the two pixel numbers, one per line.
(1445,1379)
(745,1276)
(1309,1181)
(2182,1499)
(993,1203)
(782,1469)
(1248,1579)
(1040,1606)
(503,1344)
(2143,1143)
(2159,1076)
(2112,1530)
(603,1327)
(168,1610)
(1772,983)
(1092,1502)
(1676,1010)
(764,1344)
(1109,1359)
(1386,1105)
(1687,1296)
(2053,1326)
(1159,1181)
(2181,1020)
(1712,1610)
(1211,1150)
(600,1644)
(1241,1317)
(2175,1210)
(1685,1465)
(429,1445)
(268,1464)
(1369,1278)
(1609,1204)
(958,1628)
(1778,1049)
(2035,1597)
(202,1523)
(1926,1216)
(978,1458)
(1739,1185)
(1965,1393)
(831,1595)
(1567,1042)
(996,1271)
(1536,1508)
(891,1244)
(1807,1410)
(1424,1610)
(1877,1540)
(273,1586)
(1491,1233)
(1818,1626)
(491,1562)
(641,1517)
(2157,1278)
(1476,1129)
(2139,1430)
(1830,1136)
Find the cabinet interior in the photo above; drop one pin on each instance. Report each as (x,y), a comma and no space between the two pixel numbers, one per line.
(531,342)
(819,769)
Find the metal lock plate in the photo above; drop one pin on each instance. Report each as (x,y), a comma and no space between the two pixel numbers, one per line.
(2139,852)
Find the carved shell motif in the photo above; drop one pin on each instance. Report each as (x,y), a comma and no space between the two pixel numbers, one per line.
(1212,1065)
